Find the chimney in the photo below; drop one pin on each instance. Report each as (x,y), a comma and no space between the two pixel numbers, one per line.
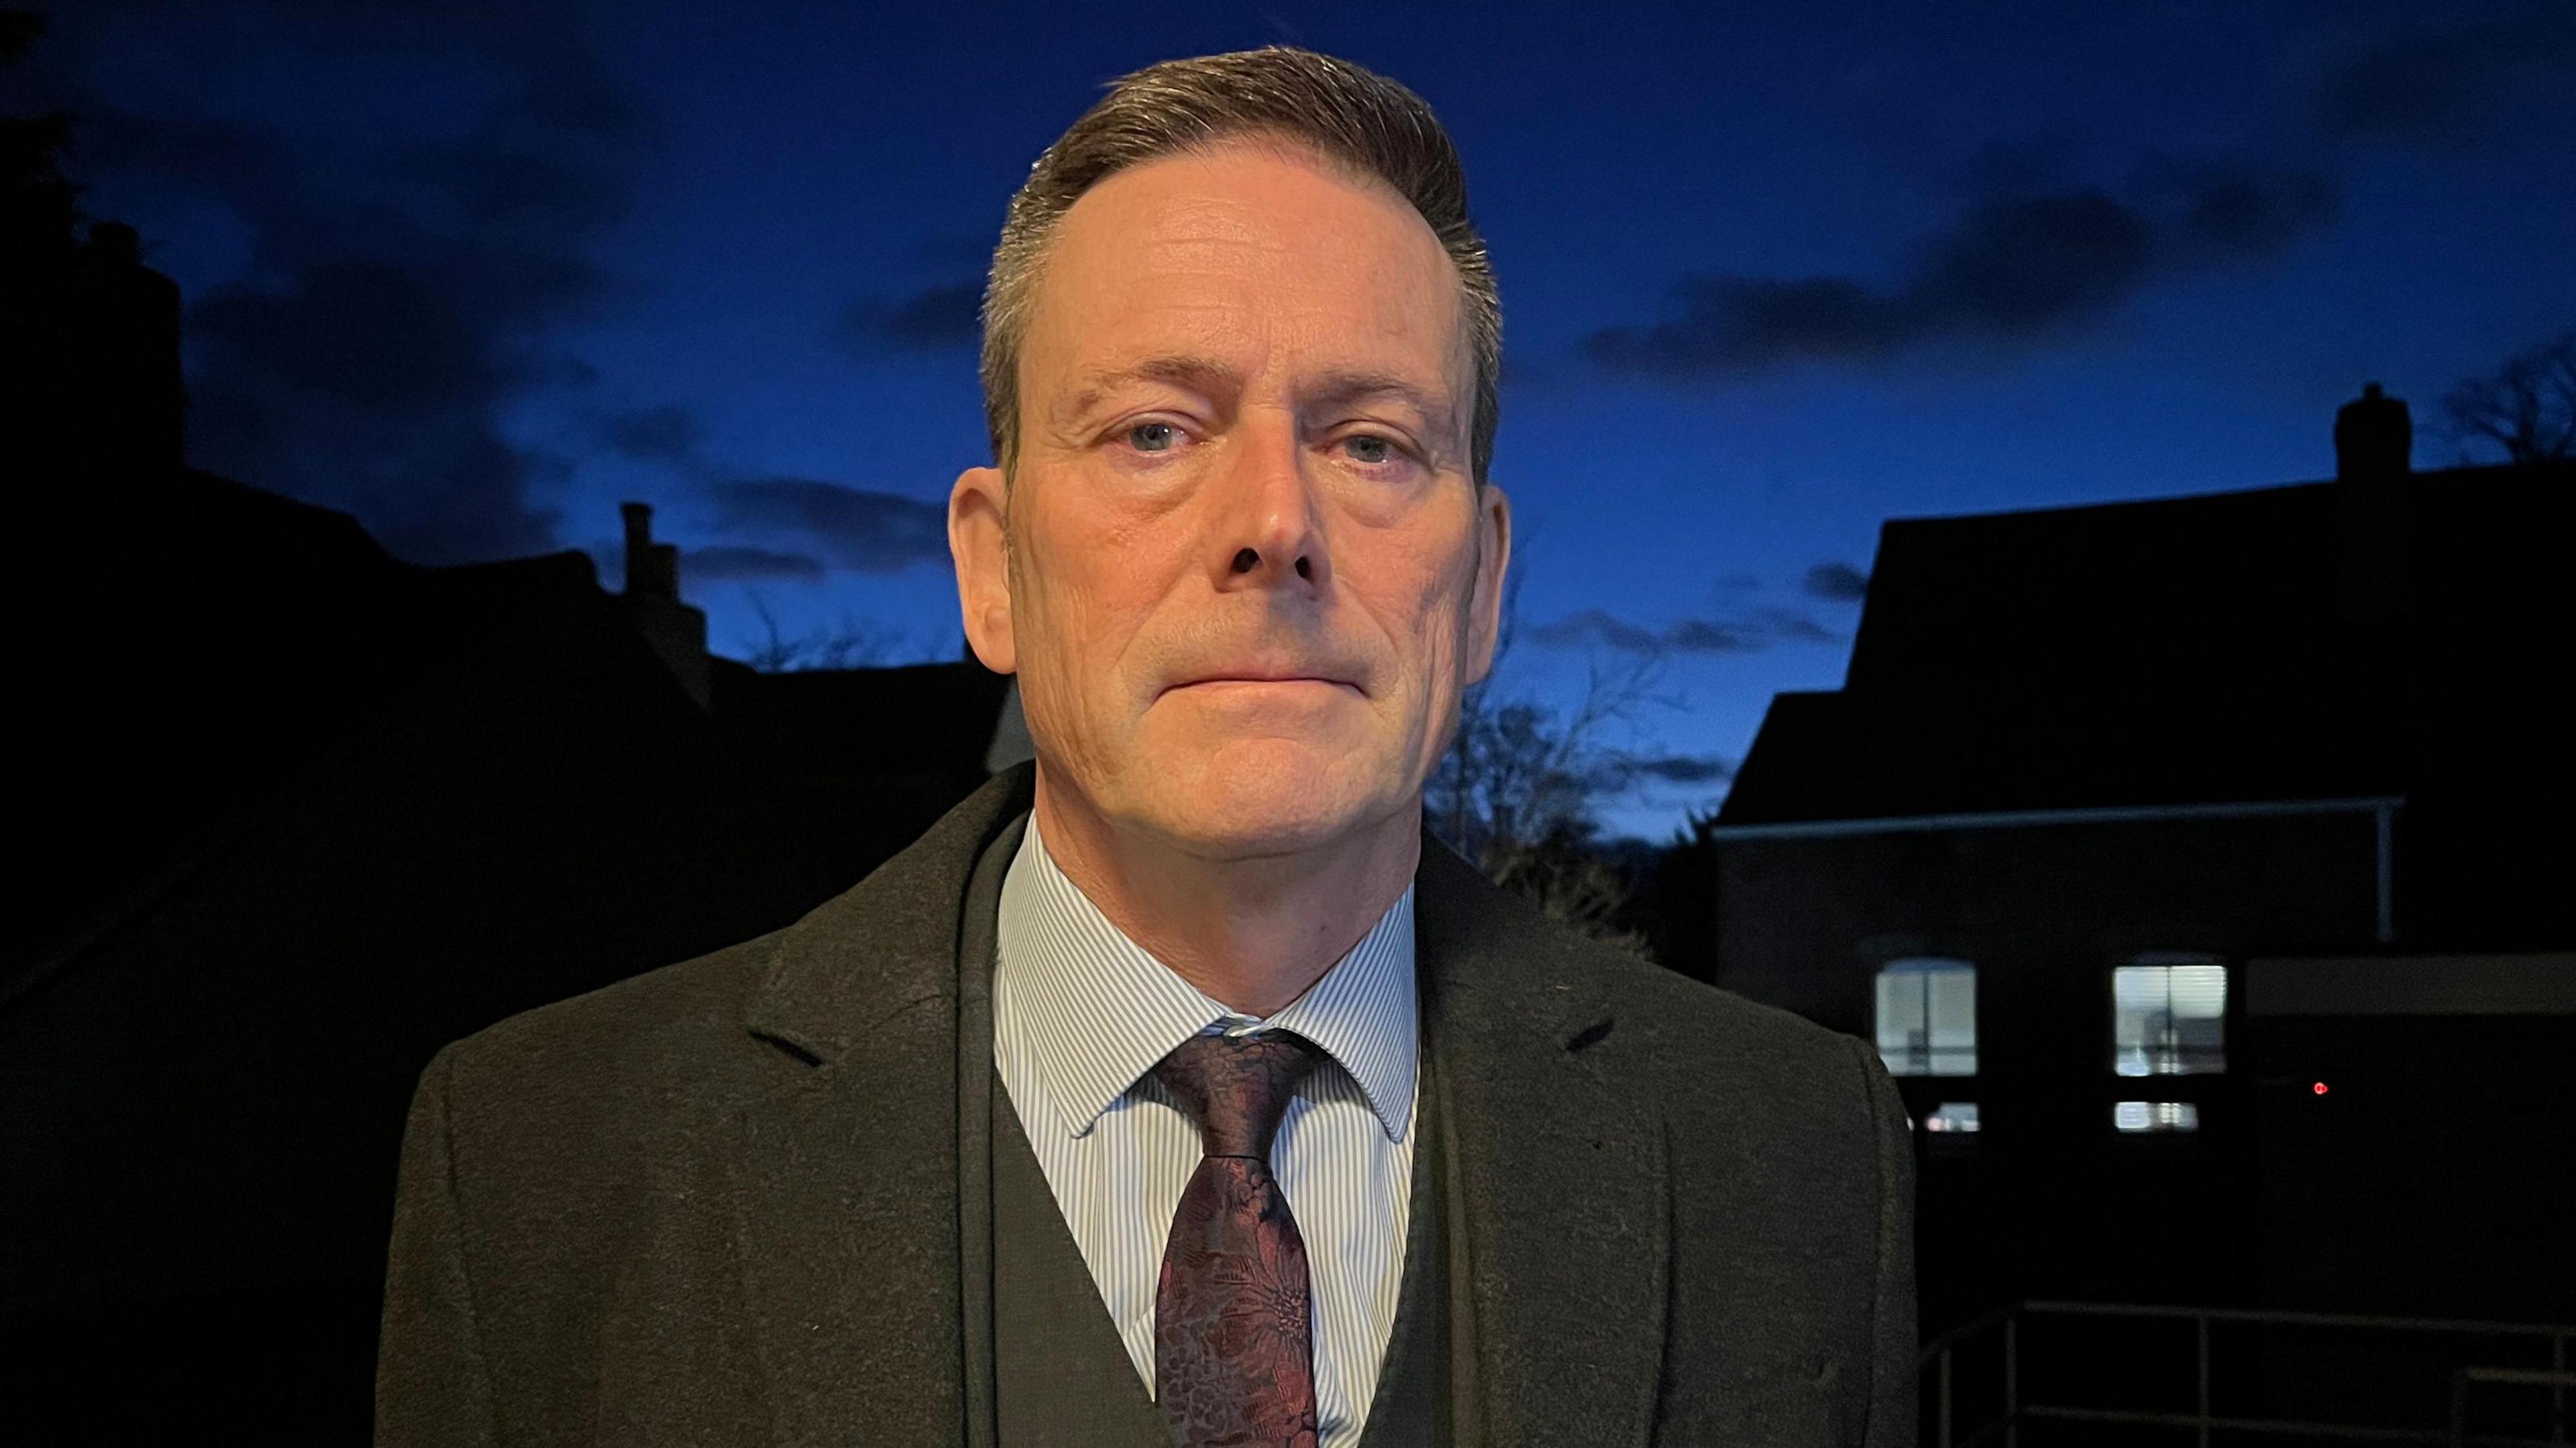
(2373,437)
(652,569)
(677,632)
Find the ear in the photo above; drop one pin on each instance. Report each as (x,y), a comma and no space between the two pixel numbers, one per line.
(978,544)
(1485,596)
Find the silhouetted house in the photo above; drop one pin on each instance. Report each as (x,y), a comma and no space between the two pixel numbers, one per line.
(2203,868)
(294,813)
(866,758)
(860,761)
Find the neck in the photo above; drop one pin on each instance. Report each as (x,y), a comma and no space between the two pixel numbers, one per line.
(1252,934)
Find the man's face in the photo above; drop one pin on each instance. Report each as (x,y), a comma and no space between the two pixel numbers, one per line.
(1248,570)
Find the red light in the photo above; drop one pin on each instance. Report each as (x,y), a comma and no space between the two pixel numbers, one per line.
(2318,1088)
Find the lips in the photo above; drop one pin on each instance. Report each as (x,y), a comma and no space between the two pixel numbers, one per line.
(1266,676)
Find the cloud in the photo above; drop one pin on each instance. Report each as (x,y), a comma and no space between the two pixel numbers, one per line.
(1598,627)
(1700,636)
(1627,771)
(382,337)
(1837,582)
(1594,627)
(668,433)
(729,562)
(2012,270)
(1591,626)
(2438,82)
(1683,769)
(1794,627)
(853,527)
(406,273)
(934,319)
(2255,214)
(2008,269)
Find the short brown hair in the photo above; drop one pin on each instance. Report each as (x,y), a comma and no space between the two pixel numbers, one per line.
(1345,112)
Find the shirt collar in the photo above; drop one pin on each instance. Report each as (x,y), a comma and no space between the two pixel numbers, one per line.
(1098,1011)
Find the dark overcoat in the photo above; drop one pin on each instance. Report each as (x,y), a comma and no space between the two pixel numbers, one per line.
(717,1204)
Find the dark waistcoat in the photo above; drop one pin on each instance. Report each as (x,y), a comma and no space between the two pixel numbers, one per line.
(1045,1363)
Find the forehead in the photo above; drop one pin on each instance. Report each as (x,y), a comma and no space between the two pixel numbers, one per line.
(1251,254)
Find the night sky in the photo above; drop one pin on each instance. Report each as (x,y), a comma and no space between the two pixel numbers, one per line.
(1771,274)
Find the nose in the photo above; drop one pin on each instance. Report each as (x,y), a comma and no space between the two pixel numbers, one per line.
(1271,531)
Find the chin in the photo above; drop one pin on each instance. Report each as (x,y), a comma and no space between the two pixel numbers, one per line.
(1264,798)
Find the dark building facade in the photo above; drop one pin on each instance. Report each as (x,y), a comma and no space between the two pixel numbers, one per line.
(298,814)
(2203,868)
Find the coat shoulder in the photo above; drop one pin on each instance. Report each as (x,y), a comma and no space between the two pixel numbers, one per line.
(698,1034)
(1691,1028)
(651,1055)
(1709,1056)
(1655,1029)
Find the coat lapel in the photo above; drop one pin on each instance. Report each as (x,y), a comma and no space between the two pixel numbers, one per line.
(847,1167)
(1561,1168)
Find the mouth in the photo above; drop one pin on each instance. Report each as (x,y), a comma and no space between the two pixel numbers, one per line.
(1256,681)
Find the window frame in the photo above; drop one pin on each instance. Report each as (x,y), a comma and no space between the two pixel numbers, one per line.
(2169,960)
(1926,967)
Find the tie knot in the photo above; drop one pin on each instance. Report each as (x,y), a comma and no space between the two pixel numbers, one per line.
(1237,1087)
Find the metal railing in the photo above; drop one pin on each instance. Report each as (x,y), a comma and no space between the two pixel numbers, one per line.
(1940,1359)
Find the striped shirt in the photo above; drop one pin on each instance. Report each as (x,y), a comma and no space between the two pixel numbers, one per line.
(1081,1014)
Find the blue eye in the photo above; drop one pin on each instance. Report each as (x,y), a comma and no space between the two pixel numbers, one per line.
(1161,442)
(1386,448)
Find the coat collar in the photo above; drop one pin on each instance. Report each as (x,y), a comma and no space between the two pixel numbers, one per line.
(887,947)
(848,1190)
(849,1164)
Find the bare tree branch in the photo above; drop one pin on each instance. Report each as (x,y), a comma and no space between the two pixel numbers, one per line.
(2527,407)
(853,644)
(1517,789)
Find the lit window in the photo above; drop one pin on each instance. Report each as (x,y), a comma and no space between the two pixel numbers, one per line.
(1927,1017)
(1960,1116)
(2169,1016)
(2155,1116)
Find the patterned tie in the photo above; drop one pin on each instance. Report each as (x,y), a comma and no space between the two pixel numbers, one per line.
(1233,1345)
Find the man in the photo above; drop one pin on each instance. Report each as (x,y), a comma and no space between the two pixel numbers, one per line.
(1178,1088)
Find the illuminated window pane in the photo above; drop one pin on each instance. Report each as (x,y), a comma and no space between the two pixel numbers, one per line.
(2169,1017)
(1927,1017)
(1953,1116)
(2155,1116)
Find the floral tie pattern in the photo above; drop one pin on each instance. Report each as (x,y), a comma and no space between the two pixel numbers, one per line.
(1233,1338)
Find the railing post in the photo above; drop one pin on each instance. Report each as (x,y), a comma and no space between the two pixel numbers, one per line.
(1945,1398)
(2012,1380)
(2558,1390)
(2202,1319)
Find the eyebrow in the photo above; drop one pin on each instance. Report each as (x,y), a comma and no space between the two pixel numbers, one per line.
(1176,368)
(1355,385)
(1339,385)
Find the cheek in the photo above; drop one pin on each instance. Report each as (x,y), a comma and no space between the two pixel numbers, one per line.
(1082,595)
(1425,620)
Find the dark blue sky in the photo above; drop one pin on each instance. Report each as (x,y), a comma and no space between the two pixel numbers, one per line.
(1771,273)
